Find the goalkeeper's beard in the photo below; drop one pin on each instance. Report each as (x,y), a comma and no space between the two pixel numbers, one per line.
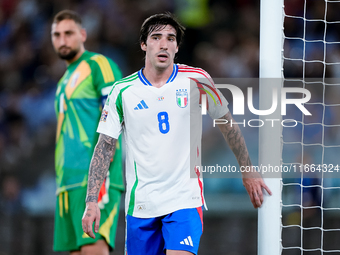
(68,56)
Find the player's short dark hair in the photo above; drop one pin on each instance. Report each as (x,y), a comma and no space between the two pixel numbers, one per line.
(67,14)
(159,21)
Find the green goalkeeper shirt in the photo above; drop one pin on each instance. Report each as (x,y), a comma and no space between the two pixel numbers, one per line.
(78,106)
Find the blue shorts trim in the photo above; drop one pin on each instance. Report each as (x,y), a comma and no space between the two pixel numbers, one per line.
(180,230)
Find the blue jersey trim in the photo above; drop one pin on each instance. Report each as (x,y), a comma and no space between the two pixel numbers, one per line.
(174,74)
(142,78)
(147,83)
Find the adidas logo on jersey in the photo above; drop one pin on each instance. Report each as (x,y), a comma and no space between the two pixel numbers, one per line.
(187,241)
(142,105)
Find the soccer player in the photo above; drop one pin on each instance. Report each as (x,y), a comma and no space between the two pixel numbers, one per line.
(159,110)
(79,100)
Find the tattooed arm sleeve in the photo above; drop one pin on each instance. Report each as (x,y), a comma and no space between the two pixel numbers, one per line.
(252,181)
(99,166)
(232,134)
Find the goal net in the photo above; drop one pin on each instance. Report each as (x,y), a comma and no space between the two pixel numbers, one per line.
(309,208)
(311,150)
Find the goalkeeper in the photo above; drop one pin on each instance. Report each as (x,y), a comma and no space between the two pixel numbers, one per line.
(79,99)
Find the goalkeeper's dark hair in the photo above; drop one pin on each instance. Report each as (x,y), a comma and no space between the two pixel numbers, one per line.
(67,14)
(159,21)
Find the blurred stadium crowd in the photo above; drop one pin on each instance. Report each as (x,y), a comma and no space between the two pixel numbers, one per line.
(222,37)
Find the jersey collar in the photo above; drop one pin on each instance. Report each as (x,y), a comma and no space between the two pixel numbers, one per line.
(147,83)
(86,54)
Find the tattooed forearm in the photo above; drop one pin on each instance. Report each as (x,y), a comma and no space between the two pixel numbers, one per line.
(232,134)
(99,166)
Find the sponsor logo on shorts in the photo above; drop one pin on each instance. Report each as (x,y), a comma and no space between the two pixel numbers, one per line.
(187,241)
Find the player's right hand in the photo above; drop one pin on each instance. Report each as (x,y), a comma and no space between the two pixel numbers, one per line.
(91,214)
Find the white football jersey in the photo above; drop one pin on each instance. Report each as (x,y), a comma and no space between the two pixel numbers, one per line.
(162,129)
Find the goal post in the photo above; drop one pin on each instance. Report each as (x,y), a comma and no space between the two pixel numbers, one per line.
(271,46)
(302,215)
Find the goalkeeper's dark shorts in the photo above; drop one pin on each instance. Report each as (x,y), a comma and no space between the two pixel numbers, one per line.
(68,232)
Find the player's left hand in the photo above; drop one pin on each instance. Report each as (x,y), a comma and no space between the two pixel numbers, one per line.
(254,185)
(91,214)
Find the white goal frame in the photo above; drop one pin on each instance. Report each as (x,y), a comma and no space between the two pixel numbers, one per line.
(271,76)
